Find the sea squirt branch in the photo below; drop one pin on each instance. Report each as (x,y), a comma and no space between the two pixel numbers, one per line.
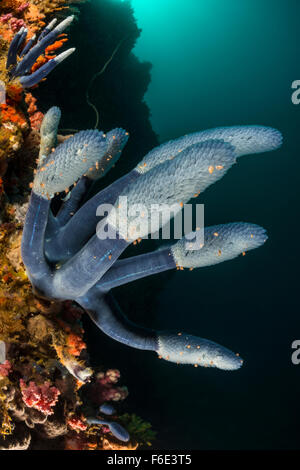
(29,59)
(221,243)
(180,348)
(32,50)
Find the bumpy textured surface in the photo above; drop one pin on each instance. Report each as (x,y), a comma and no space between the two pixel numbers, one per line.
(188,349)
(116,141)
(50,122)
(245,140)
(73,158)
(174,182)
(221,243)
(48,132)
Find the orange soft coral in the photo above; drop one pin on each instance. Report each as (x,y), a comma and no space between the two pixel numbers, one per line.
(75,344)
(35,116)
(56,45)
(34,18)
(14,91)
(10,114)
(43,59)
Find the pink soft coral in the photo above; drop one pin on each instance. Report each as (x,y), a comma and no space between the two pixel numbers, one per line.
(41,397)
(23,6)
(76,423)
(16,24)
(5,369)
(111,376)
(5,18)
(105,388)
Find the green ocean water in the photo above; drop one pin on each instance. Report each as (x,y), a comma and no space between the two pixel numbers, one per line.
(220,63)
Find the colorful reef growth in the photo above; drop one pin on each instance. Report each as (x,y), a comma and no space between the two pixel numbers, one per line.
(28,53)
(47,389)
(50,397)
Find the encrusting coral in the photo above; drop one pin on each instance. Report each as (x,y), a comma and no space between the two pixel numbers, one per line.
(27,56)
(47,388)
(41,342)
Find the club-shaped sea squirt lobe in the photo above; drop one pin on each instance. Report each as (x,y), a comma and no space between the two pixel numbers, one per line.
(105,408)
(244,139)
(187,349)
(221,243)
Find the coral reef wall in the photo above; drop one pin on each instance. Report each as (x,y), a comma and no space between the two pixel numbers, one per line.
(47,387)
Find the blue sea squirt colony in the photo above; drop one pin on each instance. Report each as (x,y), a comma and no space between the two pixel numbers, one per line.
(65,259)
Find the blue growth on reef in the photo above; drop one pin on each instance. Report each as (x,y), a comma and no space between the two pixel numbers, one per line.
(29,53)
(66,259)
(115,428)
(106,409)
